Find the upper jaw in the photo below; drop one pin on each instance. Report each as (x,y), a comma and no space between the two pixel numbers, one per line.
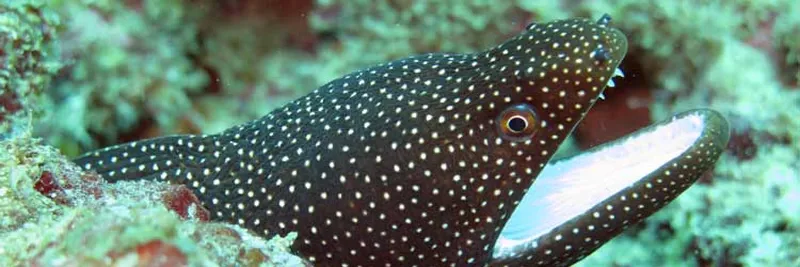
(617,73)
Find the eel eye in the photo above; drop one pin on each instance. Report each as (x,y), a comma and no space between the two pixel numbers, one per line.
(601,54)
(517,123)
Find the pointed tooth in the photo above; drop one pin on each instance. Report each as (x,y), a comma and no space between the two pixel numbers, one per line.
(618,72)
(602,96)
(611,83)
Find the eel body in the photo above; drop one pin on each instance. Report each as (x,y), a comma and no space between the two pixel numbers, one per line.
(422,161)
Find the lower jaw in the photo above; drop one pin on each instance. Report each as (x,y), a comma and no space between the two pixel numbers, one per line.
(577,204)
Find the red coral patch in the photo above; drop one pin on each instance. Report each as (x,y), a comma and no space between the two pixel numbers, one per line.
(157,253)
(179,199)
(49,187)
(9,104)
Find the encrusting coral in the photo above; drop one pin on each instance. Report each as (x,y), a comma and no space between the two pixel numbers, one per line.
(26,62)
(123,65)
(52,214)
(787,26)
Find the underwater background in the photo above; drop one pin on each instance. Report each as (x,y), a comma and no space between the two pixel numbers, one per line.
(77,75)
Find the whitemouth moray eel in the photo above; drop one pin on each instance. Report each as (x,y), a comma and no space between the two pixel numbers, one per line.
(422,161)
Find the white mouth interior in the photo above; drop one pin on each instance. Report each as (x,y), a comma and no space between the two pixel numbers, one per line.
(569,188)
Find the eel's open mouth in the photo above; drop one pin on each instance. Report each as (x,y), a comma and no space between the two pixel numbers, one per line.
(578,203)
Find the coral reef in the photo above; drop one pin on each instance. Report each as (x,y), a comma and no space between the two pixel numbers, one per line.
(786,26)
(26,61)
(124,65)
(52,214)
(384,30)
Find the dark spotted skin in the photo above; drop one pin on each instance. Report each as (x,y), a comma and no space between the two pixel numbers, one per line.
(403,164)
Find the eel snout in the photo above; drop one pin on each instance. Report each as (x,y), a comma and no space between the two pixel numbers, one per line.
(581,202)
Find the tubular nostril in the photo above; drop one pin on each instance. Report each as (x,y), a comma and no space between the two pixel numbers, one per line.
(601,54)
(604,20)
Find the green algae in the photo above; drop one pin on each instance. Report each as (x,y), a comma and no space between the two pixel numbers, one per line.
(23,210)
(378,31)
(27,62)
(122,66)
(678,38)
(787,27)
(104,224)
(256,74)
